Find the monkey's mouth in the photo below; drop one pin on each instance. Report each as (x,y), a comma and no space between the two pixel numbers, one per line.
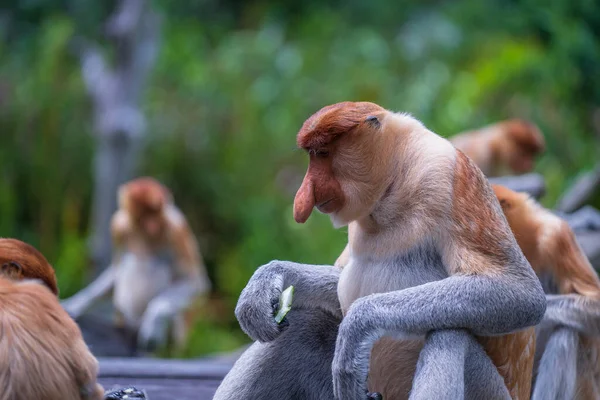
(327,206)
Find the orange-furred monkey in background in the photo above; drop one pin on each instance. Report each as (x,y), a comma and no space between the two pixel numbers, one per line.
(431,264)
(506,147)
(157,270)
(568,345)
(42,352)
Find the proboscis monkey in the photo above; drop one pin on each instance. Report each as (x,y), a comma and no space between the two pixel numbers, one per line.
(502,148)
(42,352)
(568,345)
(430,253)
(156,270)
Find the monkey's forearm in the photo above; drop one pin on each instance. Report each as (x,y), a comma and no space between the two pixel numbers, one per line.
(315,287)
(484,305)
(82,300)
(481,304)
(574,311)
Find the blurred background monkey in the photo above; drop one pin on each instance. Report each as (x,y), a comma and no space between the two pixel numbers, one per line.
(568,344)
(156,271)
(42,352)
(503,148)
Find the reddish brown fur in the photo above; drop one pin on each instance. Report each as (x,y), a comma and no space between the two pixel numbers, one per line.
(507,146)
(319,136)
(507,351)
(42,352)
(551,248)
(33,265)
(332,121)
(549,244)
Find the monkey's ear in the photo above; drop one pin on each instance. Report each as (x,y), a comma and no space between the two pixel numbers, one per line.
(12,270)
(373,121)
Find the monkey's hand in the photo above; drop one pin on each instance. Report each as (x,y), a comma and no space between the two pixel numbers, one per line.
(351,360)
(153,332)
(315,287)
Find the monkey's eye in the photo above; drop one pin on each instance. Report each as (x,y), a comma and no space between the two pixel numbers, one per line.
(321,153)
(11,266)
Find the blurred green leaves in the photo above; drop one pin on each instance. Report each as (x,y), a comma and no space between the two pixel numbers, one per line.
(233,83)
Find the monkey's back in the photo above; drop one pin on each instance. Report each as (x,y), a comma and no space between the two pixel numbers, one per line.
(42,353)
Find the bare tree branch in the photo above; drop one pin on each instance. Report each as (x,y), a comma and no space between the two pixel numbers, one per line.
(119,123)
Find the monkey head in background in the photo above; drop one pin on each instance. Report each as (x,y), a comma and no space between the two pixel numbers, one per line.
(156,271)
(506,147)
(42,352)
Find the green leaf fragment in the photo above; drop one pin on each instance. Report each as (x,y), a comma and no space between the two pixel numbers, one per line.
(285,304)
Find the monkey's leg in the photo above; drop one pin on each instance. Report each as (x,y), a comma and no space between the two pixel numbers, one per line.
(76,305)
(294,366)
(575,311)
(557,371)
(453,365)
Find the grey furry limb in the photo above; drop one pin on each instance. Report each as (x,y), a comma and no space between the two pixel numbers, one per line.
(162,310)
(532,183)
(579,313)
(315,288)
(452,366)
(77,304)
(485,305)
(296,365)
(557,370)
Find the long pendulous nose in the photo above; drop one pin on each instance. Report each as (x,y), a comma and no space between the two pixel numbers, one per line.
(305,200)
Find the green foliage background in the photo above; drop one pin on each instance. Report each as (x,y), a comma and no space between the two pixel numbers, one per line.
(233,83)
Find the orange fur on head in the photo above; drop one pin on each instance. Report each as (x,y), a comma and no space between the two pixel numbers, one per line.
(319,136)
(508,146)
(145,199)
(42,352)
(20,260)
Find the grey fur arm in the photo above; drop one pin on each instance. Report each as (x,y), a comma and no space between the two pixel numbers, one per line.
(574,311)
(155,322)
(484,305)
(315,287)
(77,304)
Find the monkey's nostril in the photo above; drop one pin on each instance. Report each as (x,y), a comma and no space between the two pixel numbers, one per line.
(323,204)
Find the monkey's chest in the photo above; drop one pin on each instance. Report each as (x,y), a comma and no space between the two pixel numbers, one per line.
(393,360)
(140,280)
(365,275)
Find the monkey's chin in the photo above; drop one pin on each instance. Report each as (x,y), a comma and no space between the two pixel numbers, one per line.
(337,221)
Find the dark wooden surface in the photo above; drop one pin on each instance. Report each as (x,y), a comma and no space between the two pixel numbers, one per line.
(165,379)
